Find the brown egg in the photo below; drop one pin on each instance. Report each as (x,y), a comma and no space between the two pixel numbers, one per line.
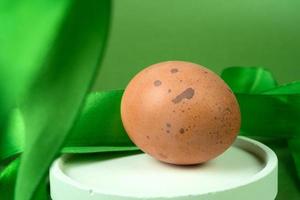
(180,113)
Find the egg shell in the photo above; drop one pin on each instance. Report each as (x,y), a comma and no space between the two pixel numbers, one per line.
(180,113)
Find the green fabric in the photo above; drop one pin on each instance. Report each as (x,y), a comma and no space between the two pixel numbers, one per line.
(27,29)
(271,113)
(49,55)
(51,106)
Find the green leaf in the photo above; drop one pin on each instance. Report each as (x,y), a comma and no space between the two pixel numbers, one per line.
(55,98)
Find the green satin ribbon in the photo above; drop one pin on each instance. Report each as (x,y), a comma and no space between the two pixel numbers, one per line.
(49,56)
(269,112)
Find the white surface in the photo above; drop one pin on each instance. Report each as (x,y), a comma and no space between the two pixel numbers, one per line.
(246,168)
(127,175)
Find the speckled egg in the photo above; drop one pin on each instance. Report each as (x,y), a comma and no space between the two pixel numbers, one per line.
(180,113)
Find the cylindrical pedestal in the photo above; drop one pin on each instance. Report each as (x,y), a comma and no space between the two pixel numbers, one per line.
(246,171)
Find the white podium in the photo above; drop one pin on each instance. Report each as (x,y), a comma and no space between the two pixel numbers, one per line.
(246,171)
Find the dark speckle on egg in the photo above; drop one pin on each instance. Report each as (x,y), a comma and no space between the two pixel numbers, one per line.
(157,83)
(186,94)
(181,130)
(174,70)
(228,110)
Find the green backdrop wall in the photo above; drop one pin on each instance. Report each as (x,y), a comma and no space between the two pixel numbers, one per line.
(214,33)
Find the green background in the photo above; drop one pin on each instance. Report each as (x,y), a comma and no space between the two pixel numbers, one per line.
(214,33)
